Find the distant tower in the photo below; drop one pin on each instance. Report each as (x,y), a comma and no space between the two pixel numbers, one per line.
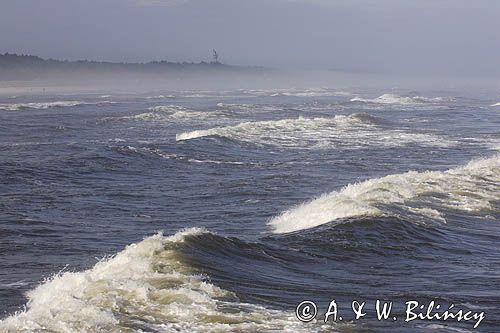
(215,56)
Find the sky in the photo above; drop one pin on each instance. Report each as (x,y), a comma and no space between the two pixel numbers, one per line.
(406,36)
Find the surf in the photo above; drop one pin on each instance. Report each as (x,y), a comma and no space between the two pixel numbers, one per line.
(170,113)
(470,188)
(402,100)
(354,130)
(147,286)
(48,105)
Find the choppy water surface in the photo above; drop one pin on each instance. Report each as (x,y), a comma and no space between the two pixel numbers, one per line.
(221,211)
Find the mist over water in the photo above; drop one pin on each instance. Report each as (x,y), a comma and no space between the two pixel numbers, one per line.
(424,38)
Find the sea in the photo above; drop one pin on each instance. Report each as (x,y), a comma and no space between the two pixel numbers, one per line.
(222,211)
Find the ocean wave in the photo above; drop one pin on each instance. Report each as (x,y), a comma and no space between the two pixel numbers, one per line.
(180,112)
(248,107)
(48,105)
(145,152)
(160,96)
(242,106)
(146,287)
(402,100)
(471,188)
(496,104)
(194,160)
(14,285)
(313,93)
(355,130)
(170,112)
(295,92)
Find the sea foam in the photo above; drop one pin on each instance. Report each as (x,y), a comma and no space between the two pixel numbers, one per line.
(146,287)
(170,113)
(47,105)
(471,188)
(355,130)
(396,99)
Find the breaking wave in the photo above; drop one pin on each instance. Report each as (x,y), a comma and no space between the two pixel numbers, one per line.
(313,92)
(146,287)
(170,112)
(496,104)
(48,105)
(160,97)
(355,130)
(396,99)
(471,188)
(248,107)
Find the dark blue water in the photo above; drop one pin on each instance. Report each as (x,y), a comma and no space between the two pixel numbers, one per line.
(82,178)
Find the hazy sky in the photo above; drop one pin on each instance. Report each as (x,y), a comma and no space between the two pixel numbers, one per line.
(375,35)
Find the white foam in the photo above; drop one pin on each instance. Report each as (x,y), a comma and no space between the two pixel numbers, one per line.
(162,154)
(196,115)
(357,130)
(236,106)
(147,285)
(244,108)
(171,112)
(313,93)
(15,284)
(396,99)
(167,108)
(179,112)
(146,116)
(472,188)
(160,96)
(46,105)
(496,104)
(194,160)
(149,151)
(295,92)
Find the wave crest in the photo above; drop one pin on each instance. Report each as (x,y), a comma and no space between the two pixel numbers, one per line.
(471,188)
(402,100)
(355,130)
(145,287)
(170,112)
(48,105)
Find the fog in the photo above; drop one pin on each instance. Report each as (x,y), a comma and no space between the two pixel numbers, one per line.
(388,37)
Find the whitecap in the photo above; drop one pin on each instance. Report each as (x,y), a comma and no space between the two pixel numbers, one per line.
(170,113)
(160,97)
(471,188)
(356,130)
(402,100)
(48,105)
(147,285)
